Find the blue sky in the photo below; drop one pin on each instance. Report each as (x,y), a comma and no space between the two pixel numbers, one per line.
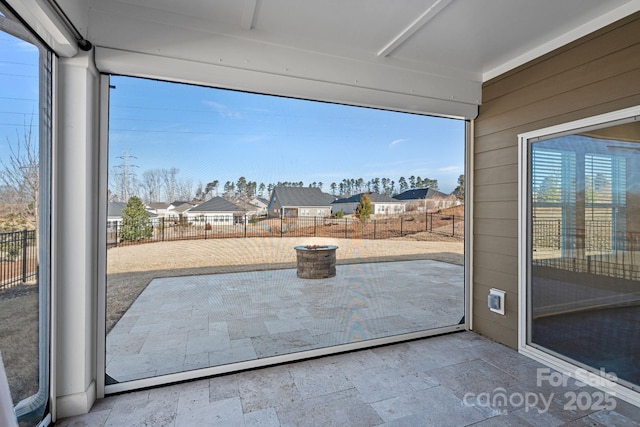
(212,134)
(18,89)
(218,134)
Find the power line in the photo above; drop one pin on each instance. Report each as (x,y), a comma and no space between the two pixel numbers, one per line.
(19,63)
(18,75)
(19,99)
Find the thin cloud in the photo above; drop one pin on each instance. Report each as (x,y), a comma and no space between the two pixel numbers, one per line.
(396,142)
(223,110)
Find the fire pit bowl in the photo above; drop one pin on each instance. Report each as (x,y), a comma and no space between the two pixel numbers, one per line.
(316,261)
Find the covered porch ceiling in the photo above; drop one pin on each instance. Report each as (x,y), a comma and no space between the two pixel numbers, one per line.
(425,56)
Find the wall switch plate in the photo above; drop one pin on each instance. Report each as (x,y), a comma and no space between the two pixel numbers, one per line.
(496,301)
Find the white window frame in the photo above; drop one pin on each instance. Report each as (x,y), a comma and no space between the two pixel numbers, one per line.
(46,66)
(546,358)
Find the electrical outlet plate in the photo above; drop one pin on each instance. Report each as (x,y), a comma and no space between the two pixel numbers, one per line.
(495,301)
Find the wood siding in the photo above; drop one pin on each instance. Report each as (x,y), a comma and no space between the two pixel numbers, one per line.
(597,74)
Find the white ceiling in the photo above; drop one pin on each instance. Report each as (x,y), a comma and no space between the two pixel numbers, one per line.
(471,37)
(435,50)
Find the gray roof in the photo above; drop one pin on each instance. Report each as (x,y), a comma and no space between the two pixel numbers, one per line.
(182,207)
(302,196)
(216,204)
(114,210)
(419,194)
(158,205)
(373,197)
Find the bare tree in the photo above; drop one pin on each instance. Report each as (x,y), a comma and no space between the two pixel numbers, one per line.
(184,189)
(170,178)
(152,185)
(19,172)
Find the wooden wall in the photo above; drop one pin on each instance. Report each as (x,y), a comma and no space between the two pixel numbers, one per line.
(597,74)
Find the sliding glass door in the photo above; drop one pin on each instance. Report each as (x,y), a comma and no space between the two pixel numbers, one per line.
(584,247)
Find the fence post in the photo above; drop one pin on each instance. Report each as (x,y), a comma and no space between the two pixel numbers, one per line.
(162,233)
(431,222)
(426,221)
(281,224)
(245,226)
(346,223)
(453,225)
(315,226)
(374,229)
(24,256)
(117,227)
(401,221)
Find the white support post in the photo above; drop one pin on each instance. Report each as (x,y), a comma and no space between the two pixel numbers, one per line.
(74,246)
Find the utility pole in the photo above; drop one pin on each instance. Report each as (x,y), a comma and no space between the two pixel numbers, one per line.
(126,175)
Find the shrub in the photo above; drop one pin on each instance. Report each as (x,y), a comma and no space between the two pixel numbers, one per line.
(364,208)
(135,221)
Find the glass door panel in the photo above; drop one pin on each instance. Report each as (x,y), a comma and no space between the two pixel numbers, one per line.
(584,248)
(25,129)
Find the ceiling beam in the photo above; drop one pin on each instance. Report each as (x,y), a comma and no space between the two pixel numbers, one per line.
(420,22)
(248,14)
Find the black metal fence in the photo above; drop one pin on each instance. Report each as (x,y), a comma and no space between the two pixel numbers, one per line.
(18,257)
(597,249)
(598,235)
(220,227)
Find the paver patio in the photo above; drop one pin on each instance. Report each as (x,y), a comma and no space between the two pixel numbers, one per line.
(186,323)
(449,380)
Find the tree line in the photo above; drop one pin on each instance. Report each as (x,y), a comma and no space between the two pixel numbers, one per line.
(165,185)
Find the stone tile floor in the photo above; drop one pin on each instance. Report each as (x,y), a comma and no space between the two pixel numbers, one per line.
(449,380)
(184,323)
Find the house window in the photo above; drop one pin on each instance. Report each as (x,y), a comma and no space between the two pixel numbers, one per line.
(581,243)
(25,191)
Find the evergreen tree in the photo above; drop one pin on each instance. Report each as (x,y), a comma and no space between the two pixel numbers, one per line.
(402,182)
(460,188)
(333,187)
(548,190)
(135,221)
(364,208)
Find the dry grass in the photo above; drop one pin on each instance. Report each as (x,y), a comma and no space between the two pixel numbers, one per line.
(264,251)
(19,338)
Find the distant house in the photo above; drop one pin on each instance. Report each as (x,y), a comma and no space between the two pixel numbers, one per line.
(382,205)
(261,204)
(177,209)
(299,202)
(114,212)
(217,211)
(114,220)
(427,199)
(159,209)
